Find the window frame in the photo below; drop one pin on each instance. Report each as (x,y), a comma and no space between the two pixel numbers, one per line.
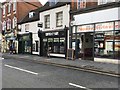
(4,9)
(59,19)
(9,8)
(26,27)
(47,21)
(14,6)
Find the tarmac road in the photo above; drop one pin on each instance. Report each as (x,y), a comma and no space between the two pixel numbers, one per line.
(22,74)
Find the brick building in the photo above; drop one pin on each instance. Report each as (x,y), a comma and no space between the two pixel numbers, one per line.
(54,17)
(12,13)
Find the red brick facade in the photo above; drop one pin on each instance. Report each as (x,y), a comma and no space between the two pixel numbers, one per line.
(12,16)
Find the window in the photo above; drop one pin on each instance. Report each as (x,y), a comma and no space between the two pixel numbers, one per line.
(31,14)
(9,24)
(27,27)
(14,22)
(9,7)
(59,19)
(102,2)
(81,4)
(14,6)
(4,26)
(3,9)
(47,21)
(78,4)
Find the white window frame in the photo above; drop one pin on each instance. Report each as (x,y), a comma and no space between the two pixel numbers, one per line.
(9,7)
(31,14)
(26,27)
(14,22)
(59,19)
(47,21)
(102,2)
(4,26)
(9,23)
(14,5)
(4,9)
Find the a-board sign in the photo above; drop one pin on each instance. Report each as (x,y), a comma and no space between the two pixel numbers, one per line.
(70,54)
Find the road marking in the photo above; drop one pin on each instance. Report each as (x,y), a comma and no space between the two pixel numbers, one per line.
(21,69)
(72,84)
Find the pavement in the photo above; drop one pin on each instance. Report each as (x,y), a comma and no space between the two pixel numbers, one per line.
(98,67)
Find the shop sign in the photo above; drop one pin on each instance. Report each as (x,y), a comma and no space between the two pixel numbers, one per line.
(51,33)
(117,25)
(104,26)
(85,28)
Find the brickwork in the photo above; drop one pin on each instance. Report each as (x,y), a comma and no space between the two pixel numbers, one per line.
(22,9)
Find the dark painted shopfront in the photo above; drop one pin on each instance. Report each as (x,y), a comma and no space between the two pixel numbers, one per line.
(25,43)
(53,42)
(100,40)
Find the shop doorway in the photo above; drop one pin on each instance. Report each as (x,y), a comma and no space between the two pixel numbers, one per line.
(86,46)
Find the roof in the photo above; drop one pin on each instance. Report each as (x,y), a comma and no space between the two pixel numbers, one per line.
(96,8)
(41,9)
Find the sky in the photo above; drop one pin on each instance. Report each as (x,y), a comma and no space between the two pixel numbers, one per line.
(42,1)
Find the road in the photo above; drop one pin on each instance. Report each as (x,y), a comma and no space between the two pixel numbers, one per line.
(23,74)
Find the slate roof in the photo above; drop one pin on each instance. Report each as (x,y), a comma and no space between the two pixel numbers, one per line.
(41,9)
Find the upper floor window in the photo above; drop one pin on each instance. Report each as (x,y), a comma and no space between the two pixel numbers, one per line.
(4,9)
(9,23)
(27,27)
(81,4)
(101,2)
(31,14)
(47,21)
(9,7)
(59,19)
(4,26)
(14,22)
(109,1)
(14,6)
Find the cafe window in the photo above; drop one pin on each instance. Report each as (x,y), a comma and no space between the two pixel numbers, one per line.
(47,21)
(56,45)
(59,19)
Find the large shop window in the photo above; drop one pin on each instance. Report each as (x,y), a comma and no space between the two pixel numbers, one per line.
(56,45)
(117,44)
(104,44)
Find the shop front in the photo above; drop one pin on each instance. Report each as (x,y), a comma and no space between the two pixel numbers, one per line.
(10,40)
(53,43)
(100,40)
(25,43)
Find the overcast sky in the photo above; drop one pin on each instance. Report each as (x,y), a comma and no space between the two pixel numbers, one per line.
(42,1)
